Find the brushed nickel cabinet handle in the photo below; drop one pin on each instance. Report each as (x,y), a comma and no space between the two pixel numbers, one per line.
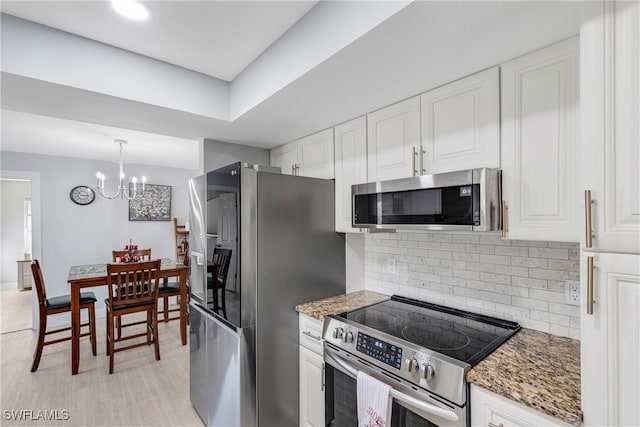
(423,153)
(293,169)
(414,153)
(588,220)
(590,299)
(495,425)
(297,170)
(505,219)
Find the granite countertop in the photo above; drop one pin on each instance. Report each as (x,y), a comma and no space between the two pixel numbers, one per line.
(340,304)
(537,369)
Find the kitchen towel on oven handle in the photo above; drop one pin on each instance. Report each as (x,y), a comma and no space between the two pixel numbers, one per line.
(374,402)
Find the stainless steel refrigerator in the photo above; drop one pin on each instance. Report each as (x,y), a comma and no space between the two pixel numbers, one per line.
(280,229)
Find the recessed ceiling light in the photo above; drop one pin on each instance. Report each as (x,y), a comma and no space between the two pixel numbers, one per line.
(131,9)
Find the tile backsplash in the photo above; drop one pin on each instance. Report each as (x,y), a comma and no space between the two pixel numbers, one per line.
(518,280)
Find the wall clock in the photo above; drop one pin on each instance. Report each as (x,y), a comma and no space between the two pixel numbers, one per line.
(82,195)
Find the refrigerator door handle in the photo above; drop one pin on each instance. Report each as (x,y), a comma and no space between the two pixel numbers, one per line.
(199,257)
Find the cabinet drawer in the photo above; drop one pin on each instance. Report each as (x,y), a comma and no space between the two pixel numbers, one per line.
(310,333)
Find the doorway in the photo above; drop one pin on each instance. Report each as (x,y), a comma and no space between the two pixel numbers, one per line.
(20,241)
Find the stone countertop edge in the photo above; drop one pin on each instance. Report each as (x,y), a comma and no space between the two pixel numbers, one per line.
(340,303)
(539,370)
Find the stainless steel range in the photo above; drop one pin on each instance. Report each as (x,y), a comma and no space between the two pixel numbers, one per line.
(422,350)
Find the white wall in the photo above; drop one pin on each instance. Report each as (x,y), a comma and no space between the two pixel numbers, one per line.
(218,154)
(12,226)
(75,235)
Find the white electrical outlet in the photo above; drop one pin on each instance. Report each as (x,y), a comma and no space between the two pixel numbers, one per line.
(390,266)
(572,292)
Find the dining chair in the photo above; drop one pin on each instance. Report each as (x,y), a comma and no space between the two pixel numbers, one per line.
(133,288)
(116,256)
(172,289)
(218,281)
(145,254)
(55,305)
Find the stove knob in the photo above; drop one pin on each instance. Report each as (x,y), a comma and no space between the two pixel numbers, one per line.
(412,364)
(338,333)
(348,337)
(426,371)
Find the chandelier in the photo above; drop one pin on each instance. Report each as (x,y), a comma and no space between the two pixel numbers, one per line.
(123,193)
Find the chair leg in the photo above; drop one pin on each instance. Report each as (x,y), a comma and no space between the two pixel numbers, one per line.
(149,322)
(166,309)
(110,334)
(41,333)
(154,325)
(107,329)
(119,324)
(92,326)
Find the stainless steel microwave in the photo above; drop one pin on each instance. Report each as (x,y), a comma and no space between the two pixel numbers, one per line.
(466,200)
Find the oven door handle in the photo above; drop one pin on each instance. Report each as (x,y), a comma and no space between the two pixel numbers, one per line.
(412,401)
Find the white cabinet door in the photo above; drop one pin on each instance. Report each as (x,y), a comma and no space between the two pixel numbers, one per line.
(610,110)
(491,410)
(394,141)
(311,388)
(351,167)
(316,155)
(461,124)
(539,153)
(285,157)
(610,341)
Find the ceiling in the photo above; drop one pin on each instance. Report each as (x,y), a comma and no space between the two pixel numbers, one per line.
(421,46)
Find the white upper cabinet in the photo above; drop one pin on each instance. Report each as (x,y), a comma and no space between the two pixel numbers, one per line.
(394,141)
(286,158)
(309,156)
(539,155)
(350,167)
(461,124)
(316,155)
(610,113)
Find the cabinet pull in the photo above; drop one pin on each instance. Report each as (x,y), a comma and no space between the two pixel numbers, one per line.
(505,219)
(423,153)
(293,169)
(588,221)
(414,153)
(297,169)
(310,335)
(590,300)
(495,425)
(322,386)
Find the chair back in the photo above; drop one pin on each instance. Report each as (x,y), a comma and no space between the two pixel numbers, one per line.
(41,291)
(145,254)
(222,260)
(133,283)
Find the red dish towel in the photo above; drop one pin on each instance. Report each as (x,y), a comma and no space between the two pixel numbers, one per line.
(374,402)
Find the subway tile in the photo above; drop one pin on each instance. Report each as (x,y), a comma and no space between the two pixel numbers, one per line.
(540,294)
(555,285)
(553,318)
(486,305)
(501,279)
(484,249)
(566,265)
(512,310)
(481,266)
(428,245)
(464,256)
(440,254)
(394,243)
(453,281)
(513,290)
(567,310)
(512,251)
(495,259)
(465,238)
(408,244)
(529,282)
(529,262)
(534,304)
(466,274)
(483,286)
(459,265)
(532,324)
(512,270)
(566,245)
(549,253)
(469,293)
(493,240)
(529,243)
(563,331)
(574,254)
(495,297)
(452,246)
(539,273)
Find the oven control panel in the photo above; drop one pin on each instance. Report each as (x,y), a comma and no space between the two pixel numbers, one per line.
(380,350)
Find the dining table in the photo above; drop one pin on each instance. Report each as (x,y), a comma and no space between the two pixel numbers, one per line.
(92,275)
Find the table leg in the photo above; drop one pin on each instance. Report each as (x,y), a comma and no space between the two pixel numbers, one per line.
(75,328)
(183,306)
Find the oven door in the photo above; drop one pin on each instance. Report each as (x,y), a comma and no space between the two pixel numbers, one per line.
(412,407)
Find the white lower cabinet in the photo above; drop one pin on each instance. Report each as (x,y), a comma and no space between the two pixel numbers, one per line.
(311,371)
(491,410)
(610,339)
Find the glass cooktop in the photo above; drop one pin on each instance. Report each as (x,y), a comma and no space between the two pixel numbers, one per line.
(459,334)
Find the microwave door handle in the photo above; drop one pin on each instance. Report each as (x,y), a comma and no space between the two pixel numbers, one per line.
(412,401)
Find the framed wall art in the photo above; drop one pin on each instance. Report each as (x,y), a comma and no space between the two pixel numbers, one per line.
(155,204)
